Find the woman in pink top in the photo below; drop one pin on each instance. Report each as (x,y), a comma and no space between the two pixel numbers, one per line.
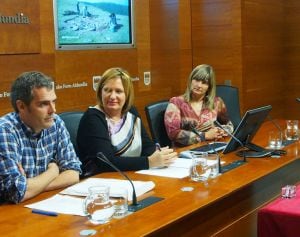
(197,109)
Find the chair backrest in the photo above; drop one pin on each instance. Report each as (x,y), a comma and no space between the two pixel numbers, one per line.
(230,96)
(155,113)
(72,120)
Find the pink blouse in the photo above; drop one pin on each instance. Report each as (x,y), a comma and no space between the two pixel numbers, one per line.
(180,118)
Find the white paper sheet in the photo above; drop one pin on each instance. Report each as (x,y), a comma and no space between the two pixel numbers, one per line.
(81,189)
(179,169)
(60,204)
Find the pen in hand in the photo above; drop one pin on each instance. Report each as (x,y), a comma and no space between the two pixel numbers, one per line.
(158,147)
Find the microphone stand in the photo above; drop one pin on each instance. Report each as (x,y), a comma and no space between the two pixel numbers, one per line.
(233,137)
(104,159)
(212,147)
(235,163)
(135,205)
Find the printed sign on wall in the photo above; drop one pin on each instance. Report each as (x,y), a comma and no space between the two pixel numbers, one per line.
(19,27)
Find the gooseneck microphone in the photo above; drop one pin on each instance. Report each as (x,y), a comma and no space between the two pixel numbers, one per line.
(104,159)
(211,146)
(135,205)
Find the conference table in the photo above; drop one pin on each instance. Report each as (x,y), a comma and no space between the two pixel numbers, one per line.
(225,206)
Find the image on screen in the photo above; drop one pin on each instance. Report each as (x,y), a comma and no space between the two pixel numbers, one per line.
(92,24)
(247,129)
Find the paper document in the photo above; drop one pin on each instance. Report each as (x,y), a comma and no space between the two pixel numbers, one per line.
(81,189)
(60,204)
(179,169)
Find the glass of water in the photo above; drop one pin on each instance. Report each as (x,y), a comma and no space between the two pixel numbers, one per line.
(213,163)
(119,199)
(200,171)
(97,205)
(275,140)
(291,131)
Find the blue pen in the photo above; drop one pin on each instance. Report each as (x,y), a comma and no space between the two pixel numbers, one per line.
(46,213)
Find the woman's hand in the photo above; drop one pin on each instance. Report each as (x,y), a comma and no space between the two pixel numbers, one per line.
(162,158)
(215,133)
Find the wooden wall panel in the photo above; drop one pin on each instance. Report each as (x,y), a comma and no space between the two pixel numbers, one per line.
(47,27)
(217,39)
(263,54)
(19,27)
(13,65)
(143,46)
(292,59)
(81,67)
(170,46)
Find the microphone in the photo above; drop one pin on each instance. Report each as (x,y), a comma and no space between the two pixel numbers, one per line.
(229,133)
(298,99)
(237,163)
(135,206)
(212,147)
(104,159)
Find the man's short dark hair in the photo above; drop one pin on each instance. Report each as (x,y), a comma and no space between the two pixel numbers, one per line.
(25,83)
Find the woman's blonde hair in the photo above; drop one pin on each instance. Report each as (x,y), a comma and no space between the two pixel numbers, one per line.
(204,73)
(114,73)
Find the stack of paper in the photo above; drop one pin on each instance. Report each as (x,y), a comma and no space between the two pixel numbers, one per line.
(81,189)
(73,205)
(60,204)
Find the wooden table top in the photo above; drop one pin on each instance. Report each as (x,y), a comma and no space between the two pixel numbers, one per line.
(16,220)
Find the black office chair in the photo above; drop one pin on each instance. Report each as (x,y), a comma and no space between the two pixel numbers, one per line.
(230,96)
(72,120)
(155,113)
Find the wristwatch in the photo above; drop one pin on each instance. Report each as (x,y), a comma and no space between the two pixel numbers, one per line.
(202,136)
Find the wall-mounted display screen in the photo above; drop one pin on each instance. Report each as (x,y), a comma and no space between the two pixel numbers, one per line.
(93,24)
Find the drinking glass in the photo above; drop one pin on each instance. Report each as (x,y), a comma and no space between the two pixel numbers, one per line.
(97,205)
(275,140)
(288,191)
(200,171)
(291,131)
(213,163)
(119,199)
